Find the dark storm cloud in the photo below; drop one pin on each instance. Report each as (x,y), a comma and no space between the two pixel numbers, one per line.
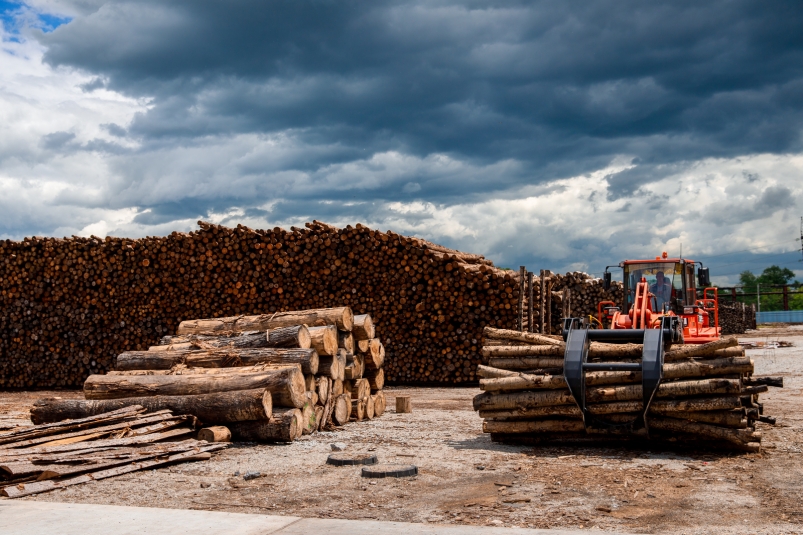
(561,88)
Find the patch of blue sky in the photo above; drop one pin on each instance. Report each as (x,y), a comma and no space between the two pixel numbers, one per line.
(16,15)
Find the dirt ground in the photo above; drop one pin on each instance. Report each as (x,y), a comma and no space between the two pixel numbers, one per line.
(464,478)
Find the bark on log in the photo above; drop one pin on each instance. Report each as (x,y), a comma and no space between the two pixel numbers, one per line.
(337,388)
(221,407)
(292,336)
(691,351)
(529,338)
(684,369)
(324,339)
(219,358)
(284,426)
(286,385)
(544,398)
(525,363)
(341,317)
(369,407)
(363,327)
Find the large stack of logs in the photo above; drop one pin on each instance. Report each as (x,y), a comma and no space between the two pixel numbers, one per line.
(268,378)
(707,393)
(71,452)
(71,305)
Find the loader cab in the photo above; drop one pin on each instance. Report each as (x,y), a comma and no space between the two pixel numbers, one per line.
(670,280)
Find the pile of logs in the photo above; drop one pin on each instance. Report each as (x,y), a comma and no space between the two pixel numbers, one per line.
(707,393)
(70,306)
(71,452)
(736,318)
(267,378)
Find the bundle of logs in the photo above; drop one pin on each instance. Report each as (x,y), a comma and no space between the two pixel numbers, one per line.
(70,306)
(265,378)
(708,392)
(71,452)
(736,318)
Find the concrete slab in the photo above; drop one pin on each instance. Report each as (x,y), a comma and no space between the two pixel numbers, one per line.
(50,518)
(19,517)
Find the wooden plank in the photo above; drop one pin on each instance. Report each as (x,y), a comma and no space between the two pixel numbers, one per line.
(68,425)
(129,441)
(99,431)
(27,489)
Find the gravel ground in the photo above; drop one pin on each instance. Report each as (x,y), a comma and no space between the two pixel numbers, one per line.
(464,478)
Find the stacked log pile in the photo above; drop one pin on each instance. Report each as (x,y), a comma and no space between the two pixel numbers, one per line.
(736,318)
(75,451)
(70,306)
(267,378)
(708,392)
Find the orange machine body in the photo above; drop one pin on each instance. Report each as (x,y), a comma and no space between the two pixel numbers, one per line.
(663,287)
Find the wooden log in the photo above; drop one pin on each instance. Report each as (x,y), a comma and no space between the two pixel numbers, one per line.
(217,433)
(180,369)
(286,385)
(319,410)
(291,336)
(359,388)
(220,407)
(363,327)
(737,436)
(533,426)
(355,364)
(488,401)
(342,361)
(380,403)
(369,407)
(309,383)
(218,358)
(342,409)
(685,369)
(323,387)
(284,426)
(525,363)
(692,351)
(374,353)
(324,339)
(527,337)
(337,388)
(341,317)
(345,340)
(404,404)
(330,366)
(376,380)
(358,409)
(308,421)
(246,340)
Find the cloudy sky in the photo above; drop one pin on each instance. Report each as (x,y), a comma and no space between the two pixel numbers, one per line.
(552,134)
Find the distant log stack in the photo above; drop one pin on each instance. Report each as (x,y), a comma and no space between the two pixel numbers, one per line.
(708,393)
(264,385)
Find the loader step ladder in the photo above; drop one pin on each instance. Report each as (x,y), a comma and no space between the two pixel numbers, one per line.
(578,338)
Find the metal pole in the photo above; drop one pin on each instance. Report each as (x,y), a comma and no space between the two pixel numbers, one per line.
(758,294)
(530,322)
(522,271)
(785,297)
(541,298)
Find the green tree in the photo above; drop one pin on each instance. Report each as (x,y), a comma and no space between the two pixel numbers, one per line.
(775,275)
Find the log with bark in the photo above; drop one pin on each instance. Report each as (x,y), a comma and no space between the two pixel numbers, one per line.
(218,358)
(220,407)
(286,385)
